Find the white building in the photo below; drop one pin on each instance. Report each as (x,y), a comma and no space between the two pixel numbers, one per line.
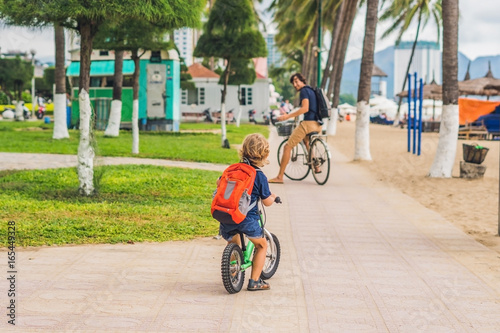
(426,63)
(208,92)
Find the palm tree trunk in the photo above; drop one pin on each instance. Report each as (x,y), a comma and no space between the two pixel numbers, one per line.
(113,128)
(340,56)
(60,114)
(85,149)
(223,104)
(306,61)
(362,137)
(396,120)
(442,166)
(313,73)
(333,46)
(135,103)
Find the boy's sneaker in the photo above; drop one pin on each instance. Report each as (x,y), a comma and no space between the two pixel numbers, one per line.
(258,285)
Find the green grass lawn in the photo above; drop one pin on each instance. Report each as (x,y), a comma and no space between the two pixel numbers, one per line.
(135,203)
(36,137)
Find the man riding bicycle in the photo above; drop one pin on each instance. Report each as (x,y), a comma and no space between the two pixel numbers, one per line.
(309,108)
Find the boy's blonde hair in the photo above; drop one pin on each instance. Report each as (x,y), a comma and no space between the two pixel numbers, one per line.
(255,149)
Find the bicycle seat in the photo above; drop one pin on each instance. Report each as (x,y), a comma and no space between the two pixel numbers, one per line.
(311,134)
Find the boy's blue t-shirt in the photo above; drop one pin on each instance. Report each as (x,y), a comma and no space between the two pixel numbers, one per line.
(260,190)
(308,93)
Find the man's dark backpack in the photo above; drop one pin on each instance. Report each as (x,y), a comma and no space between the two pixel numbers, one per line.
(324,110)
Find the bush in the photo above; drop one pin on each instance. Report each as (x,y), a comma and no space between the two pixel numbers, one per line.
(4,99)
(26,96)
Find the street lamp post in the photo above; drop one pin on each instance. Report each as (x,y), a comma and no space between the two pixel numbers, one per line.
(33,52)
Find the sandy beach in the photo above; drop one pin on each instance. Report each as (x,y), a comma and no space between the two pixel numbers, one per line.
(471,205)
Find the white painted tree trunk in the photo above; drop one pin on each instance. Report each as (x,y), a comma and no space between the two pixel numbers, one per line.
(115,115)
(19,111)
(135,126)
(331,128)
(238,119)
(442,166)
(362,137)
(85,149)
(60,117)
(223,122)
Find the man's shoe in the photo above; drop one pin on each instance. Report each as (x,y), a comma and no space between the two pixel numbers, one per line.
(258,285)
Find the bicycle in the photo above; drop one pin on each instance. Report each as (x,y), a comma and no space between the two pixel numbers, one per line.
(302,160)
(236,259)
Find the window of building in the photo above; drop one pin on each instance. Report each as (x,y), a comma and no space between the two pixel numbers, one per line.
(201,94)
(193,96)
(184,94)
(246,96)
(103,53)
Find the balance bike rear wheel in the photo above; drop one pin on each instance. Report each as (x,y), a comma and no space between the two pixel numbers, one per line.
(232,275)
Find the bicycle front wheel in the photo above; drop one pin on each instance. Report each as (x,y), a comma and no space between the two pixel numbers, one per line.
(320,161)
(273,255)
(232,275)
(297,168)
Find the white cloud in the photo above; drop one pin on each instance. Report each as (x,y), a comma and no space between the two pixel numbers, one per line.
(24,39)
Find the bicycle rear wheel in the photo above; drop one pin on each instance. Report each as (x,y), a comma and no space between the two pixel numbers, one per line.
(320,161)
(297,168)
(273,255)
(232,275)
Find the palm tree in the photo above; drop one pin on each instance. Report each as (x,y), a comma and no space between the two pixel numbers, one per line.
(344,34)
(403,12)
(448,131)
(237,38)
(60,127)
(362,141)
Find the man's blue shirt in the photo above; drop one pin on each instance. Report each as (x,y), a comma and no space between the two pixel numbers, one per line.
(308,93)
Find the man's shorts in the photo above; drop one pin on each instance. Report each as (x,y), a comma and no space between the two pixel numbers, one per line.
(251,228)
(300,132)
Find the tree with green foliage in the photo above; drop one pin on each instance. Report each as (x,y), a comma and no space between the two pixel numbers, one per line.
(86,17)
(14,75)
(186,78)
(230,33)
(242,72)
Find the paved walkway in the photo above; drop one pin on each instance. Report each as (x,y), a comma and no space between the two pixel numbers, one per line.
(356,257)
(19,161)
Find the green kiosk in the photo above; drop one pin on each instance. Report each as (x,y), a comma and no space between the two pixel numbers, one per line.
(159,91)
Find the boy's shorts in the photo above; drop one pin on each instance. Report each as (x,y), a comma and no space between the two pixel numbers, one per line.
(300,132)
(251,228)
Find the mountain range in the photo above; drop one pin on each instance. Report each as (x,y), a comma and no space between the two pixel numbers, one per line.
(385,60)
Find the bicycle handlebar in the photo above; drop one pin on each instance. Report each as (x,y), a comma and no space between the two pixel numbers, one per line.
(278,200)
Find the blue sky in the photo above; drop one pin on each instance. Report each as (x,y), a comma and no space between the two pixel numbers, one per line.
(479,33)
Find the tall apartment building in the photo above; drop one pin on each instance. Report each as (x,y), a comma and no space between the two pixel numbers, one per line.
(186,39)
(426,63)
(274,58)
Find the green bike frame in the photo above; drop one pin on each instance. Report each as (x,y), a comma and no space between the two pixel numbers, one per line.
(248,248)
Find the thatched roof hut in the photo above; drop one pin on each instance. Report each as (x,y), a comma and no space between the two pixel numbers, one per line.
(378,72)
(483,86)
(431,91)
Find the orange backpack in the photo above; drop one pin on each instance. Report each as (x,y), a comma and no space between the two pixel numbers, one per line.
(231,201)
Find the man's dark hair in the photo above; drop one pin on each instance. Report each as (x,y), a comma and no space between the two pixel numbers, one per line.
(298,76)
